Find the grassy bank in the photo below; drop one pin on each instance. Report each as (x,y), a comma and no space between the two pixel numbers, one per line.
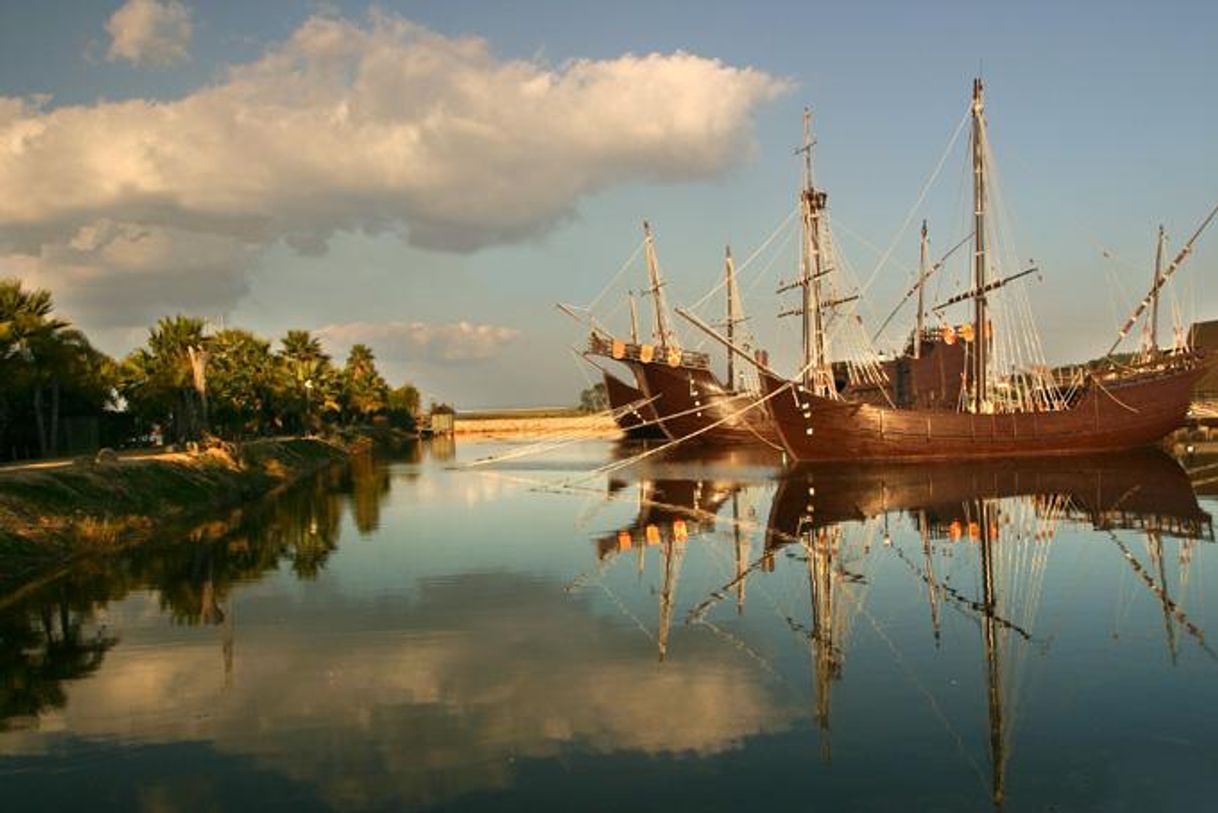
(49,514)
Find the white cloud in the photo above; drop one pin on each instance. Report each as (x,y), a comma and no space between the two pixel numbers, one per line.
(150,32)
(374,126)
(454,342)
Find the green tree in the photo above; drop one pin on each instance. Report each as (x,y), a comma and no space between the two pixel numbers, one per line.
(404,404)
(165,382)
(45,366)
(244,380)
(594,399)
(364,391)
(310,387)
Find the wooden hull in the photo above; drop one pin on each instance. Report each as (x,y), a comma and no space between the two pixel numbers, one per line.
(636,422)
(689,400)
(1120,415)
(1143,488)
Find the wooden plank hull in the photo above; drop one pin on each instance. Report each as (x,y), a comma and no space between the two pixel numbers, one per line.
(636,422)
(1122,414)
(688,400)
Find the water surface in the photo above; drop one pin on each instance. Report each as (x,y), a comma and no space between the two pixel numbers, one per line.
(693,631)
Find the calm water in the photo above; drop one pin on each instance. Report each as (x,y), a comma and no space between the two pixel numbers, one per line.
(676,634)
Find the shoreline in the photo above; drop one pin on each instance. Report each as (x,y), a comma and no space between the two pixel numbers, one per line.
(53,514)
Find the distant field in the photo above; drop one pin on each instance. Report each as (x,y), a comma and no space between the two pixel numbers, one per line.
(519,413)
(543,421)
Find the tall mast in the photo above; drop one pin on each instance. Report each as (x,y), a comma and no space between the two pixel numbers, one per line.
(733,316)
(920,323)
(1153,337)
(634,319)
(657,288)
(979,256)
(812,203)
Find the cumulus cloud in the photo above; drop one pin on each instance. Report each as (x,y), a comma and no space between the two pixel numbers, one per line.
(454,342)
(150,32)
(371,126)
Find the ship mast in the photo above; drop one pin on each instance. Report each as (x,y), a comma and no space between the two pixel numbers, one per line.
(919,324)
(733,316)
(980,349)
(812,203)
(634,319)
(1153,326)
(1172,267)
(657,288)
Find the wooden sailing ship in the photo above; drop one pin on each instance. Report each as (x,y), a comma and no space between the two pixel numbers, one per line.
(632,409)
(1019,413)
(632,412)
(688,399)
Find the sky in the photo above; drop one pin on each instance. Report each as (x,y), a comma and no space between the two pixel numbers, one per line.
(431,177)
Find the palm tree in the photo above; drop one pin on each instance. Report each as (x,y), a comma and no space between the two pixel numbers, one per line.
(25,325)
(41,359)
(307,370)
(167,380)
(365,392)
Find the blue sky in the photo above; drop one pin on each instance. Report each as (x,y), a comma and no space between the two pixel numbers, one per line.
(1102,117)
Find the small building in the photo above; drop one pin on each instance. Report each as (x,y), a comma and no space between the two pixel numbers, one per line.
(441,422)
(1204,335)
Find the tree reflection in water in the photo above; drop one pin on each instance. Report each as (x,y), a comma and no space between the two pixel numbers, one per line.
(49,633)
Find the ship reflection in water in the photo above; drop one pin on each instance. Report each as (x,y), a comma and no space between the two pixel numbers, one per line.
(697,630)
(990,525)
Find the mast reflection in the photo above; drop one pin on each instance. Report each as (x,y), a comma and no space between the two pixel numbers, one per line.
(1009,512)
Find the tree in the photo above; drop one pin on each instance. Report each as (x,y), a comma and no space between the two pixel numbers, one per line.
(594,399)
(309,380)
(243,379)
(364,391)
(404,405)
(45,364)
(165,382)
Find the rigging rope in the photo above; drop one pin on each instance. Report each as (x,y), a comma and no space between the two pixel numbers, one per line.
(917,204)
(629,260)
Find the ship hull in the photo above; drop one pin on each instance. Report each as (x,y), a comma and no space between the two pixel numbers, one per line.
(638,421)
(1118,415)
(692,405)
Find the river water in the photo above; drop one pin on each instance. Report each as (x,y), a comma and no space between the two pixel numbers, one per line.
(700,631)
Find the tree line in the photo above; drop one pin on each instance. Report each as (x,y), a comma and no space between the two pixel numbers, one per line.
(183,384)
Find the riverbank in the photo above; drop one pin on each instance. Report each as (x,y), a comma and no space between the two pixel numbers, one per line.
(49,514)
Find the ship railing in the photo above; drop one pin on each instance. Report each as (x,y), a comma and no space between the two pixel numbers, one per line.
(646,353)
